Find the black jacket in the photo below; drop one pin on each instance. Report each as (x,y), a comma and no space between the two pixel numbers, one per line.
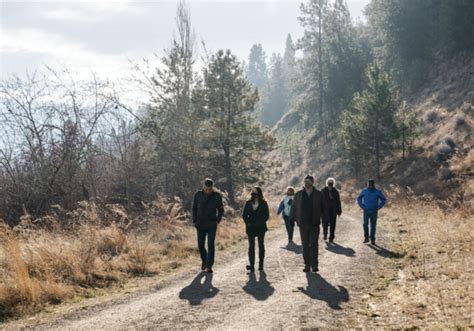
(256,220)
(333,205)
(207,209)
(297,213)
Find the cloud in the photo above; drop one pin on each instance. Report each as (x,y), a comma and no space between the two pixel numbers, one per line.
(54,48)
(86,11)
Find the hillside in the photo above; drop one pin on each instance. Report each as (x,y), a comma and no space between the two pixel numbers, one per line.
(441,158)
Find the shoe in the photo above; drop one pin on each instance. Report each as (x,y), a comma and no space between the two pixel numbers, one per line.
(250,268)
(366,241)
(325,237)
(372,242)
(203,266)
(209,270)
(290,242)
(331,241)
(306,269)
(260,266)
(314,269)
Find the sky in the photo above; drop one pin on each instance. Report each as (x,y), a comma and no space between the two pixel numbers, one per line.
(104,36)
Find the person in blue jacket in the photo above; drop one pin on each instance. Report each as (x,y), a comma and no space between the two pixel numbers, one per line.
(284,209)
(370,200)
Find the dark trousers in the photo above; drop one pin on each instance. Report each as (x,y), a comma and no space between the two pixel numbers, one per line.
(370,217)
(207,256)
(290,227)
(309,241)
(330,222)
(261,248)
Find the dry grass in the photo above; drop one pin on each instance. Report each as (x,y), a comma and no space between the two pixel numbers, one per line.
(431,285)
(47,261)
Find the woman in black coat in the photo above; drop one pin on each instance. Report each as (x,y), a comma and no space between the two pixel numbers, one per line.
(255,216)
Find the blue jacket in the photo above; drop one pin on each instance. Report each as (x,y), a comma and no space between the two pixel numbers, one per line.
(285,207)
(371,200)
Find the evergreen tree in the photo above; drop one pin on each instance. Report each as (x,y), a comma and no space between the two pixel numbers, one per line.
(368,132)
(257,66)
(408,129)
(312,19)
(237,142)
(172,120)
(274,103)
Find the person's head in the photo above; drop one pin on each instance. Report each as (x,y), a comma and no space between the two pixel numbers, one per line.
(330,182)
(290,191)
(309,181)
(257,194)
(371,184)
(208,186)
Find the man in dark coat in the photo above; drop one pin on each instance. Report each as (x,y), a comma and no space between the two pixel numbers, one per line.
(332,201)
(306,211)
(207,214)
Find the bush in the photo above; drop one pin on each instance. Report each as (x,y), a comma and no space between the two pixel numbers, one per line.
(460,121)
(295,180)
(432,117)
(445,149)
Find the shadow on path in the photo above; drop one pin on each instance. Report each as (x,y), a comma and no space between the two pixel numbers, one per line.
(295,248)
(200,288)
(338,249)
(385,252)
(261,289)
(319,289)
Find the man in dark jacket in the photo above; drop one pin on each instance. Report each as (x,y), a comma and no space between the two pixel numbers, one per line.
(370,200)
(333,203)
(306,211)
(207,213)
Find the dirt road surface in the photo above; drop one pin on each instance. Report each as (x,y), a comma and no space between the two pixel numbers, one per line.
(281,297)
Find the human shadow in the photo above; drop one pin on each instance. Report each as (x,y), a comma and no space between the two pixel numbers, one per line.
(200,288)
(381,251)
(295,248)
(338,249)
(319,289)
(261,289)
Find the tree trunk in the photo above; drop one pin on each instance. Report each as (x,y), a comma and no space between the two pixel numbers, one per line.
(377,147)
(320,65)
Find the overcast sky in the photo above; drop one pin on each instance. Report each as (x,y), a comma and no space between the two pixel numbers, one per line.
(100,36)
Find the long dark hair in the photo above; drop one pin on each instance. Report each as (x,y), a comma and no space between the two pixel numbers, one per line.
(259,194)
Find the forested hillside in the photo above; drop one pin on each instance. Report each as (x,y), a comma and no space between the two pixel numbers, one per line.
(389,98)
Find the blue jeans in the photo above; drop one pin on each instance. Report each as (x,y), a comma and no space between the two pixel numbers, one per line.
(207,256)
(370,216)
(290,227)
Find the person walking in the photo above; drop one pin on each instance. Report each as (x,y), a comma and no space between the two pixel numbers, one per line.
(284,209)
(207,212)
(370,200)
(255,215)
(306,211)
(332,201)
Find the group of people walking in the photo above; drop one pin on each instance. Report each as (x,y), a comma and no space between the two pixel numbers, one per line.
(308,208)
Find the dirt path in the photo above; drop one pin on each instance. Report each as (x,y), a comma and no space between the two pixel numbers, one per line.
(281,297)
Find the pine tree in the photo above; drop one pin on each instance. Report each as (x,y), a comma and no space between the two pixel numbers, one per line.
(369,129)
(257,66)
(312,19)
(237,142)
(274,102)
